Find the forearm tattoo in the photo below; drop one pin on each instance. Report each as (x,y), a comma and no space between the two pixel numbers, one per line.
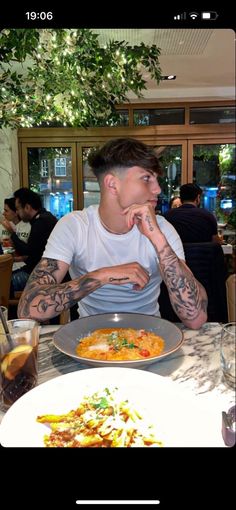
(184,290)
(149,221)
(43,294)
(118,279)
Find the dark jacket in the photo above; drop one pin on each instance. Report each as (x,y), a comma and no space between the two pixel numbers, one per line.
(41,227)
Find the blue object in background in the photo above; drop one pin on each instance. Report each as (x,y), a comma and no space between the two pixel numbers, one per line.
(209,198)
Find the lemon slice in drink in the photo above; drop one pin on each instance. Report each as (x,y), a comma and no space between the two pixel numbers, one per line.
(15,360)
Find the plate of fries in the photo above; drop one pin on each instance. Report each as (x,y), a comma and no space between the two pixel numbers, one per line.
(103,407)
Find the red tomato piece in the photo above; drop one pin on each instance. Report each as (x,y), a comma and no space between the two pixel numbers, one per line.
(144,353)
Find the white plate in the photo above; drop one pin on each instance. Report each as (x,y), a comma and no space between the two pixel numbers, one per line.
(67,338)
(179,418)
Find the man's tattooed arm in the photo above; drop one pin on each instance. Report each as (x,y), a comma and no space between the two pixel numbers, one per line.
(44,297)
(188,297)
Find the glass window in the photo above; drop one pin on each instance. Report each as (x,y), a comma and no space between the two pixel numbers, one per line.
(162,116)
(44,168)
(55,185)
(119,118)
(122,119)
(60,167)
(214,171)
(218,115)
(170,157)
(91,188)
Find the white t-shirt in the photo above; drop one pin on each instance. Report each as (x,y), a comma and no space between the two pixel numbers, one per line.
(22,230)
(80,240)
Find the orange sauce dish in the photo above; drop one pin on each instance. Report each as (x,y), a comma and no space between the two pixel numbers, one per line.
(120,344)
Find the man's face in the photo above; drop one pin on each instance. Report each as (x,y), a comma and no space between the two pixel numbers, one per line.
(137,186)
(22,211)
(8,214)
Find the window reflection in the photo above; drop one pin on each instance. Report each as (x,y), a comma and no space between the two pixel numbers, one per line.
(155,117)
(50,175)
(170,157)
(214,171)
(91,188)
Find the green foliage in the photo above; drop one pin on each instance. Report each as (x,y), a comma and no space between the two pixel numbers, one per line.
(232,219)
(64,77)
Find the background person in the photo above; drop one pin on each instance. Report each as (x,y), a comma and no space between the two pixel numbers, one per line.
(117,252)
(175,202)
(193,224)
(29,208)
(12,223)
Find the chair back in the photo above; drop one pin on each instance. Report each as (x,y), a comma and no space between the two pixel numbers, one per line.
(206,261)
(231,297)
(6,262)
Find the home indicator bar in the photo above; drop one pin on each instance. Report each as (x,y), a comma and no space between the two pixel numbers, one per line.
(117,502)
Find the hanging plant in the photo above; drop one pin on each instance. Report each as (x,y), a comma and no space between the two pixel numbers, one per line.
(64,77)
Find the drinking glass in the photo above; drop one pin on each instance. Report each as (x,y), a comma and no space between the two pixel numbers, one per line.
(5,313)
(18,362)
(227,353)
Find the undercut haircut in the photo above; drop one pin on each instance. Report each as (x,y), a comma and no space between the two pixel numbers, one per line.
(121,154)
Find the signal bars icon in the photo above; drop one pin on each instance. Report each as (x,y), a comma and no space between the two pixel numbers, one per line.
(192,15)
(180,16)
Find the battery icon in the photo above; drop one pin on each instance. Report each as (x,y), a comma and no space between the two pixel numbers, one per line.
(209,15)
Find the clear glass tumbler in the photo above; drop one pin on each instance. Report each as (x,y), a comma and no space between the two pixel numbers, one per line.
(227,353)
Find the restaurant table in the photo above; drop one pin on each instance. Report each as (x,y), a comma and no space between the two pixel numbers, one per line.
(195,366)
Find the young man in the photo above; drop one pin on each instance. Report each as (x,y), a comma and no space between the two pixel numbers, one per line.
(29,209)
(118,252)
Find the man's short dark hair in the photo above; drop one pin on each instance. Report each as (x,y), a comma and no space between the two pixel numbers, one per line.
(123,153)
(11,203)
(27,196)
(189,192)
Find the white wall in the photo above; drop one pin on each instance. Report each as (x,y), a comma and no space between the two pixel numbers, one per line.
(9,164)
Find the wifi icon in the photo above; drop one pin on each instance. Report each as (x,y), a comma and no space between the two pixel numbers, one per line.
(193,15)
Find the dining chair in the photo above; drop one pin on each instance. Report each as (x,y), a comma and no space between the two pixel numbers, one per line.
(231,297)
(6,262)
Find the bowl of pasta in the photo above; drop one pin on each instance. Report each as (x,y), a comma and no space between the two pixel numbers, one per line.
(103,407)
(119,339)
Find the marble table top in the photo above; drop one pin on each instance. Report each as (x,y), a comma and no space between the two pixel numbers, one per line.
(195,366)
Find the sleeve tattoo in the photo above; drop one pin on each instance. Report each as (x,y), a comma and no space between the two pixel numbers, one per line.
(43,292)
(187,295)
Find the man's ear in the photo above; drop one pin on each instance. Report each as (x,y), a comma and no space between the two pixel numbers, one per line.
(198,199)
(28,208)
(110,183)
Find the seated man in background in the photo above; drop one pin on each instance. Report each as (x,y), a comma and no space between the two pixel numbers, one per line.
(29,208)
(117,252)
(194,225)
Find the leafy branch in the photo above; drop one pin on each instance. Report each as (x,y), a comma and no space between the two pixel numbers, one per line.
(64,77)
